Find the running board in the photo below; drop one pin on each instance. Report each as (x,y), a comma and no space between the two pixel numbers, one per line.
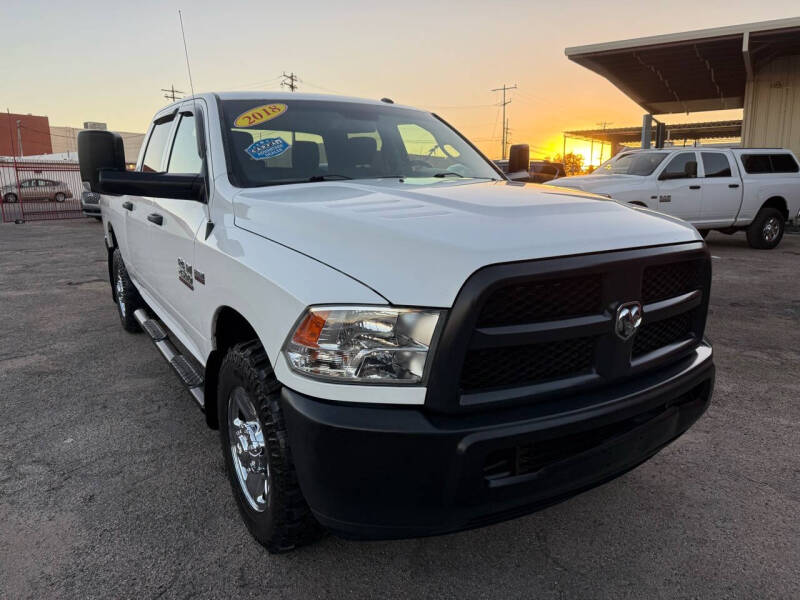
(186,371)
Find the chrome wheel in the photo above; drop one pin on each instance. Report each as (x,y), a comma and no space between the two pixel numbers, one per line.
(121,295)
(248,450)
(772,229)
(60,197)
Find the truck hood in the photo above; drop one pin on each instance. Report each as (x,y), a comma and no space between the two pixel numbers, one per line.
(592,183)
(415,243)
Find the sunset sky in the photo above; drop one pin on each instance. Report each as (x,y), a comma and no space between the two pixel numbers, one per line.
(106,61)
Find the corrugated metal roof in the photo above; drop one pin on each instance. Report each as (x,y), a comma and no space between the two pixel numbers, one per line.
(692,71)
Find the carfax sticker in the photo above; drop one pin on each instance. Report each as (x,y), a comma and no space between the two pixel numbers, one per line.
(259,114)
(267,148)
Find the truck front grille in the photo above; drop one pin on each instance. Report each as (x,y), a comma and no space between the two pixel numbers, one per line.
(521,365)
(653,336)
(673,279)
(536,301)
(521,332)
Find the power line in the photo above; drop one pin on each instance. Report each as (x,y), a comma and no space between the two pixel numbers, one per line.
(172,93)
(505,102)
(289,80)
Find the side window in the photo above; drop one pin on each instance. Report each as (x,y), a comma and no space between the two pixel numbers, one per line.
(26,183)
(783,163)
(184,157)
(716,164)
(756,163)
(155,147)
(682,166)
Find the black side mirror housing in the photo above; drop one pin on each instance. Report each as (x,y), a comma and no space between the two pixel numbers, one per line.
(99,150)
(519,160)
(102,159)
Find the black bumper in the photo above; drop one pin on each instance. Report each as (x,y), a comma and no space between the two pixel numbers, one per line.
(372,472)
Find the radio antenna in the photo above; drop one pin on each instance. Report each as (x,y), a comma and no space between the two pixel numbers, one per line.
(186,52)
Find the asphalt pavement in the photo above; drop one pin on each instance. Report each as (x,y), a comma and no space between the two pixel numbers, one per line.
(112,486)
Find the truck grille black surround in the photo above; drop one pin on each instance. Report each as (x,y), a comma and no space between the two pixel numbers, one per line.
(522,332)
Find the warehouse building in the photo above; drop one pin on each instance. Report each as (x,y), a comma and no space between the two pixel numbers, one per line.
(754,67)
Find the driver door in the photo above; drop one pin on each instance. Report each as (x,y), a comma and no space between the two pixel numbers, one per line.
(679,190)
(174,226)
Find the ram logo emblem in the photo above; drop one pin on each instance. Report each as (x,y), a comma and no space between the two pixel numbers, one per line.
(629,318)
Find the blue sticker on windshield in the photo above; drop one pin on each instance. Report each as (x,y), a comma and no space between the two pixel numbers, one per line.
(267,148)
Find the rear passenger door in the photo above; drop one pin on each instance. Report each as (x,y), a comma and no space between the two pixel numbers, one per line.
(679,190)
(722,189)
(175,225)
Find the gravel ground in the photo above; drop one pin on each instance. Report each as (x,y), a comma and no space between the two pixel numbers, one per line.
(112,486)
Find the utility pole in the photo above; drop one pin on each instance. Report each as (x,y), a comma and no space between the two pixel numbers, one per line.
(289,80)
(504,89)
(19,137)
(603,124)
(172,93)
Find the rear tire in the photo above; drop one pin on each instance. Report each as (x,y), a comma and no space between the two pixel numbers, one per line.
(127,296)
(766,230)
(59,197)
(256,450)
(11,198)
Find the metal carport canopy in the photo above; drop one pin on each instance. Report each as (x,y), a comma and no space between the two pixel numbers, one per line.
(692,71)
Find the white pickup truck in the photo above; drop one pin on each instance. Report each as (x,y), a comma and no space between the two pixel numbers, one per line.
(393,339)
(729,190)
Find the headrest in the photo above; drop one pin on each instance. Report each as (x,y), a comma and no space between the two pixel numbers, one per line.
(305,156)
(690,168)
(241,140)
(362,150)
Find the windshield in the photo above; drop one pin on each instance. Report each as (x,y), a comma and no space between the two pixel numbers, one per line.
(289,141)
(632,163)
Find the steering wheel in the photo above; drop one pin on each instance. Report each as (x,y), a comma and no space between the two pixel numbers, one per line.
(419,163)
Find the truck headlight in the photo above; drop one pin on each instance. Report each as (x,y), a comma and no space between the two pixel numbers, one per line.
(362,344)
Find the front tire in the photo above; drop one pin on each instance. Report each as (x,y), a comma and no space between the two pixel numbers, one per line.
(11,198)
(256,449)
(60,197)
(126,294)
(766,230)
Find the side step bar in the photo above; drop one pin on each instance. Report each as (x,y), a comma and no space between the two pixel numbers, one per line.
(180,364)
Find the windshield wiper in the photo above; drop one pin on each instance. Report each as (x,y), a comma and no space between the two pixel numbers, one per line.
(448,174)
(328,177)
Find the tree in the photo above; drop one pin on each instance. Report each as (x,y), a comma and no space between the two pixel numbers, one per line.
(573,163)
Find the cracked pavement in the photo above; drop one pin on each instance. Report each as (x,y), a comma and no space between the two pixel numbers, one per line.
(112,486)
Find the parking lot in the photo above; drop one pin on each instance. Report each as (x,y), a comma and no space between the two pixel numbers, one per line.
(112,486)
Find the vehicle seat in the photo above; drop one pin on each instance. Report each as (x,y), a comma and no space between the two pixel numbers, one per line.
(361,154)
(305,159)
(253,169)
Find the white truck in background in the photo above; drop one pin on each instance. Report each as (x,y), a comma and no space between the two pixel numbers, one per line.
(756,190)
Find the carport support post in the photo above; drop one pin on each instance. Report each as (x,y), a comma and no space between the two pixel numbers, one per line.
(647,130)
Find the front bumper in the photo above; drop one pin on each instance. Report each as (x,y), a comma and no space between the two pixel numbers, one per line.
(91,210)
(393,472)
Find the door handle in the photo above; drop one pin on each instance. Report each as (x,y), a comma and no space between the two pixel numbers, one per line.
(694,187)
(155,218)
(733,185)
(127,205)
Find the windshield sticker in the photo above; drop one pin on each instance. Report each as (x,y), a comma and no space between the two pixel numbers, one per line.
(267,148)
(260,114)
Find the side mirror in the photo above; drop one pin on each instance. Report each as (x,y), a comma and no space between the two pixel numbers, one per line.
(99,150)
(102,159)
(519,160)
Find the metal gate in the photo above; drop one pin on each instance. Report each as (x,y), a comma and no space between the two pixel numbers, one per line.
(37,190)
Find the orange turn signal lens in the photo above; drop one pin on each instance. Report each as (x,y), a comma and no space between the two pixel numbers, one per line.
(307,333)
